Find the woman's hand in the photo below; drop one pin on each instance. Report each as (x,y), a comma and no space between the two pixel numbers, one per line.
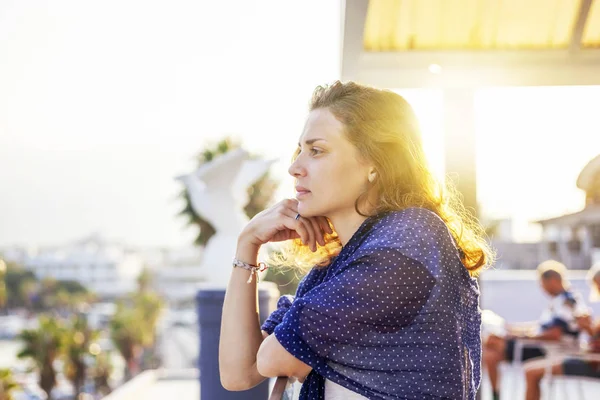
(278,223)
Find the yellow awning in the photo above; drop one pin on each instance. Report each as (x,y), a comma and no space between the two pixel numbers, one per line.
(400,25)
(591,33)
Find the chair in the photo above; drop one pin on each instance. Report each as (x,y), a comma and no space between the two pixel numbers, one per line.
(283,389)
(554,351)
(579,380)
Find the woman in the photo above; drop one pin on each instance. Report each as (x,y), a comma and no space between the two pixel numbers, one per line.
(389,309)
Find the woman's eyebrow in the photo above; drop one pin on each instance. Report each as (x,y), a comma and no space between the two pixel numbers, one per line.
(310,141)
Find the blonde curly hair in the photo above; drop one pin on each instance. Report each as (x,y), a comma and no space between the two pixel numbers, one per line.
(383,127)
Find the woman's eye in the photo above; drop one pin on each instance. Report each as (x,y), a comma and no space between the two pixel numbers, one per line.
(314,151)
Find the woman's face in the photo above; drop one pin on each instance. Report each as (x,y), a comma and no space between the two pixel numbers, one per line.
(328,174)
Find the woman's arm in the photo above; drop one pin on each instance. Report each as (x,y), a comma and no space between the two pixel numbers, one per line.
(274,360)
(241,336)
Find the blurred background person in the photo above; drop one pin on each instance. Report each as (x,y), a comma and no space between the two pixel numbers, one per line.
(572,366)
(557,322)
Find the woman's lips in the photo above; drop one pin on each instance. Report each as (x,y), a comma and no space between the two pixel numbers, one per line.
(302,193)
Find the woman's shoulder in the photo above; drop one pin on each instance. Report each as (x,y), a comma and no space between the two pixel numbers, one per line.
(413,227)
(411,218)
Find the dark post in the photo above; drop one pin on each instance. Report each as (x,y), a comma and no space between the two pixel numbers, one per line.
(209,304)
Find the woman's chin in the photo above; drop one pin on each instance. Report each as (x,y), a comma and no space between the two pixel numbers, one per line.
(304,210)
(309,212)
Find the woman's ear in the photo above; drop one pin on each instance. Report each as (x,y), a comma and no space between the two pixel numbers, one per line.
(372,175)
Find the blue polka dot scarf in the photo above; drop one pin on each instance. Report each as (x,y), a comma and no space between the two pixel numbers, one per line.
(394,316)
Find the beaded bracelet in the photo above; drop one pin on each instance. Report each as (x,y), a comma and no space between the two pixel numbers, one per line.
(254,269)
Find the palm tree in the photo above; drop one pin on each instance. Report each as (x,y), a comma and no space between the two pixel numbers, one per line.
(128,334)
(133,328)
(149,305)
(62,301)
(3,294)
(260,194)
(7,384)
(101,371)
(144,280)
(76,345)
(14,278)
(27,293)
(47,289)
(42,346)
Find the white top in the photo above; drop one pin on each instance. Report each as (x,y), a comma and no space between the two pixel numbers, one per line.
(564,309)
(333,391)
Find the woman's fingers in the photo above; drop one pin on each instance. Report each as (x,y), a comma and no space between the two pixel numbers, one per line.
(317,231)
(310,229)
(291,204)
(305,225)
(311,233)
(324,223)
(298,226)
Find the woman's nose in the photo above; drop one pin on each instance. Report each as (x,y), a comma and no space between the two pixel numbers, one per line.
(296,169)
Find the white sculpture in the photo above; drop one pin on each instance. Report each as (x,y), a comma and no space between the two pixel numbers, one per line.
(218,193)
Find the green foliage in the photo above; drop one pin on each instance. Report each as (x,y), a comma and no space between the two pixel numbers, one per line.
(43,346)
(144,280)
(53,339)
(20,285)
(7,384)
(71,287)
(76,343)
(2,284)
(126,331)
(133,327)
(149,305)
(24,290)
(100,372)
(54,294)
(260,193)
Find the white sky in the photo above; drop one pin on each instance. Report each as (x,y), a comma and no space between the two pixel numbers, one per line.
(103,103)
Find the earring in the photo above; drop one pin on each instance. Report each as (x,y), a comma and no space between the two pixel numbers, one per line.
(372,176)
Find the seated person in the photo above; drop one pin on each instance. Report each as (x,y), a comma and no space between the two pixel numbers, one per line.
(571,366)
(556,323)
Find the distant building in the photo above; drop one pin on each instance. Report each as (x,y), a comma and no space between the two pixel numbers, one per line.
(574,239)
(515,255)
(511,254)
(109,270)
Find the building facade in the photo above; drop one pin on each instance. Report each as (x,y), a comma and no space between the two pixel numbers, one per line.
(109,270)
(574,239)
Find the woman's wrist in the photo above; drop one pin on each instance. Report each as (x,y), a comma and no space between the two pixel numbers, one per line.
(247,239)
(247,251)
